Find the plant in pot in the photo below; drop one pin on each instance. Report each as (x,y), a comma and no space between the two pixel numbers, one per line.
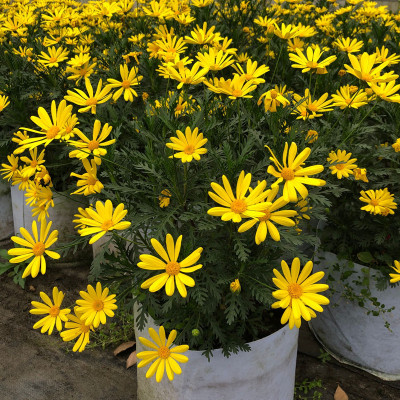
(218,196)
(207,233)
(358,241)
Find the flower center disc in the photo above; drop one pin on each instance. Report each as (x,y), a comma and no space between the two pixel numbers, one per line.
(52,132)
(91,181)
(248,77)
(38,249)
(274,94)
(189,149)
(84,328)
(34,163)
(340,166)
(98,305)
(54,311)
(93,144)
(126,84)
(366,77)
(91,101)
(295,290)
(238,206)
(374,202)
(287,174)
(312,64)
(52,59)
(164,352)
(267,215)
(313,107)
(106,225)
(237,93)
(173,268)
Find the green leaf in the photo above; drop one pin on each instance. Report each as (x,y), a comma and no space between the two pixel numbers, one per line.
(365,257)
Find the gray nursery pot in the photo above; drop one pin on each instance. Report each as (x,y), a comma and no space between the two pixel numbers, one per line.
(351,335)
(266,372)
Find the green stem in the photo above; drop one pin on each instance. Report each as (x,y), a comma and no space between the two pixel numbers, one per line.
(276,65)
(358,125)
(261,283)
(185,180)
(240,122)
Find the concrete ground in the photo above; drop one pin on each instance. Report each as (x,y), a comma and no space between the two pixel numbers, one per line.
(40,367)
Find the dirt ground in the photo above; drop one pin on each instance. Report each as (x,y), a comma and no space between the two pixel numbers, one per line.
(35,366)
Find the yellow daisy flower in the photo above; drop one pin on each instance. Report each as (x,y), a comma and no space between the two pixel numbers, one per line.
(52,128)
(387,91)
(129,79)
(274,98)
(298,291)
(190,145)
(343,165)
(395,277)
(8,171)
(53,309)
(214,60)
(286,31)
(75,327)
(88,182)
(21,181)
(35,247)
(96,305)
(95,146)
(253,72)
(271,216)
(293,174)
(235,88)
(237,207)
(103,219)
(3,102)
(363,69)
(307,108)
(201,35)
(32,164)
(55,56)
(165,358)
(345,99)
(311,61)
(379,201)
(175,272)
(348,45)
(187,76)
(84,71)
(90,100)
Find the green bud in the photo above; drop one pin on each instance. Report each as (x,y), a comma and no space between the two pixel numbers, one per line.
(195,332)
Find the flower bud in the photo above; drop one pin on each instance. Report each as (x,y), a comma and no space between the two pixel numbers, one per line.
(235,286)
(195,332)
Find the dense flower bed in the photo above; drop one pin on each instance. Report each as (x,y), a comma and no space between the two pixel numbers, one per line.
(208,132)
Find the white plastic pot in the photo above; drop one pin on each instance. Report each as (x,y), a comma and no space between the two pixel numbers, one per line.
(61,216)
(352,336)
(6,216)
(267,372)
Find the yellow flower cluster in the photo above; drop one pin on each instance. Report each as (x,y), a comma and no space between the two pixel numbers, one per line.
(92,309)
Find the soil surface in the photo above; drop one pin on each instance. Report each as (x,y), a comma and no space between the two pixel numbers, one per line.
(34,366)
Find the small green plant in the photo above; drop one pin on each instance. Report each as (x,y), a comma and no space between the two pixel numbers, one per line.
(324,356)
(13,270)
(308,387)
(119,331)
